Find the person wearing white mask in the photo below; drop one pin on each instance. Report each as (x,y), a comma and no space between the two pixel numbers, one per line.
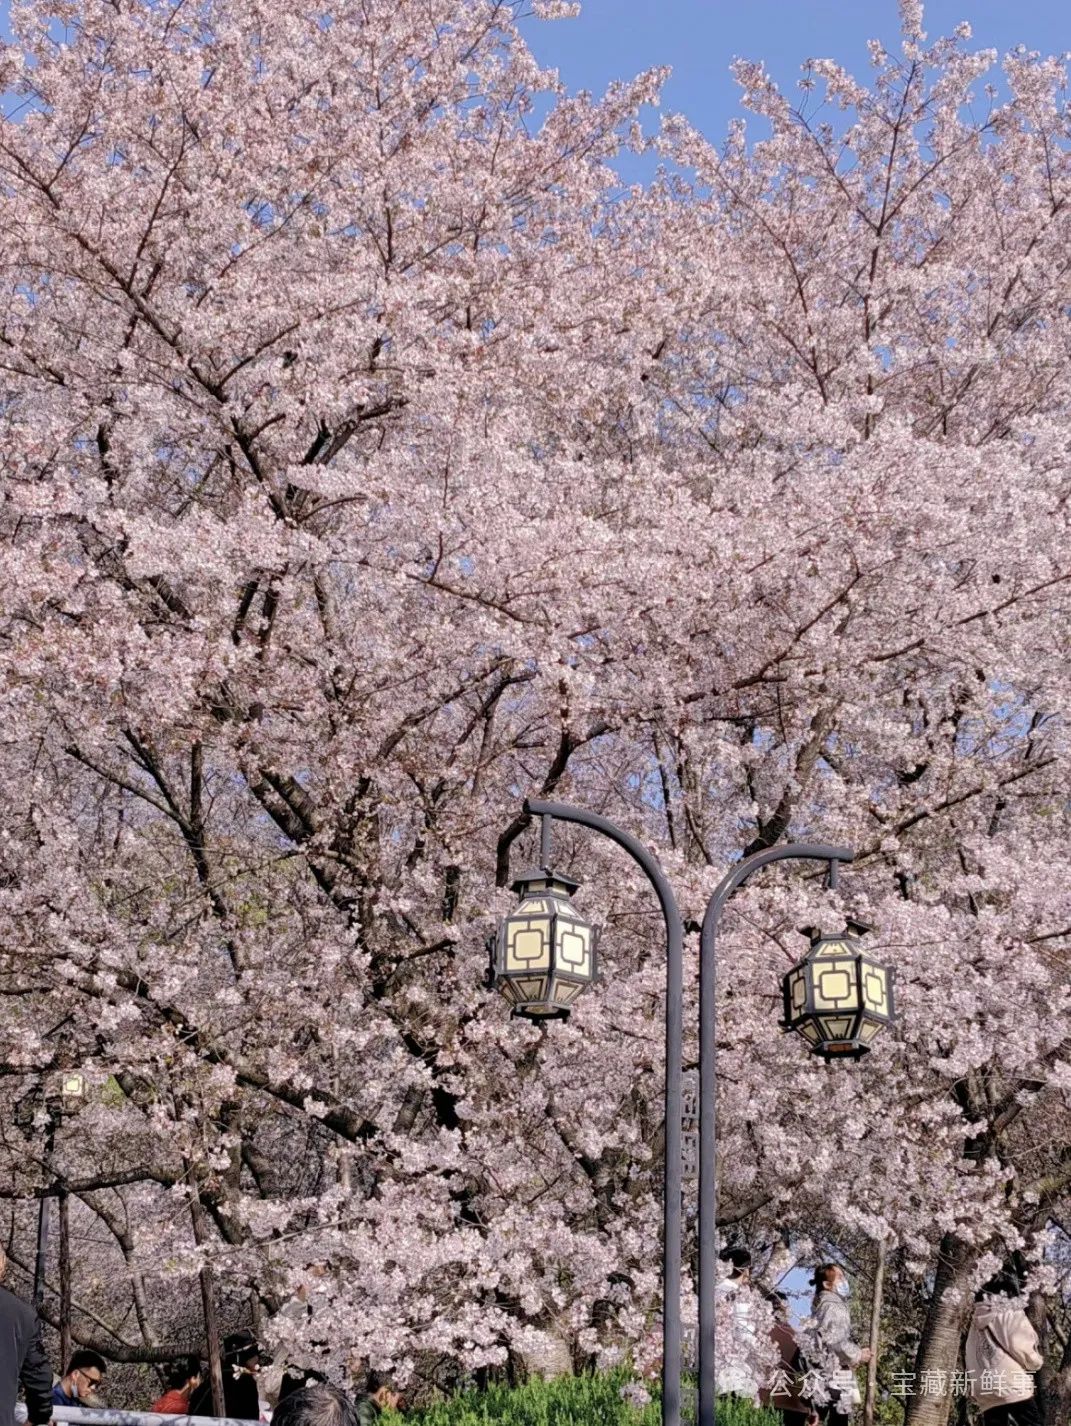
(736,1376)
(833,1330)
(81,1384)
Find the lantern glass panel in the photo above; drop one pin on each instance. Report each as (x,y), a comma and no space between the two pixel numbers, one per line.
(835,985)
(527,943)
(574,948)
(875,988)
(797,992)
(837,1027)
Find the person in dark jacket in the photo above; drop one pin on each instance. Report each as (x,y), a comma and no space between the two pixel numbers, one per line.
(379,1397)
(22,1359)
(81,1382)
(785,1393)
(241,1363)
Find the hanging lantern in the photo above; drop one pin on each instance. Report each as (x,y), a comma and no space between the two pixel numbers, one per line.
(838,997)
(543,955)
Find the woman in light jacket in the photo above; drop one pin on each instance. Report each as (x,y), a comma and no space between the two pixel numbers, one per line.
(1002,1356)
(737,1377)
(833,1330)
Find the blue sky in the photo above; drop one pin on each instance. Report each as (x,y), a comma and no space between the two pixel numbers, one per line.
(615,39)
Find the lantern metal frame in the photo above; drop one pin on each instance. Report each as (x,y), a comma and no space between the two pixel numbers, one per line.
(811,1017)
(534,992)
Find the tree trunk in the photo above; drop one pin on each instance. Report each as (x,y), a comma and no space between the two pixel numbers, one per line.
(1053,1381)
(942,1332)
(208,1305)
(875,1336)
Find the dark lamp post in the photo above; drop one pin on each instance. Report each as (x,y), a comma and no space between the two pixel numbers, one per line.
(542,958)
(544,950)
(838,997)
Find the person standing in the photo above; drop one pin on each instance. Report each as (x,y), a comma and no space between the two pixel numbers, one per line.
(22,1359)
(183,1380)
(81,1383)
(241,1363)
(1002,1354)
(837,1355)
(737,1376)
(785,1392)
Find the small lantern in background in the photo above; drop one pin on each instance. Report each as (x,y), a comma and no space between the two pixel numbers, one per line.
(66,1091)
(838,997)
(543,955)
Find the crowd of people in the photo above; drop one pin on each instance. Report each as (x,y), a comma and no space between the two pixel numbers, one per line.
(304,1398)
(814,1381)
(189,1387)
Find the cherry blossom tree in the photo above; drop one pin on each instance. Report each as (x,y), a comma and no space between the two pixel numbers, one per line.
(373,458)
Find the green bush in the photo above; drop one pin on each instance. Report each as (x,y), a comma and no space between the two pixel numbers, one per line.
(569,1401)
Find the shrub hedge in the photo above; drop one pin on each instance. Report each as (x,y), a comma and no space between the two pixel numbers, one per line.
(569,1401)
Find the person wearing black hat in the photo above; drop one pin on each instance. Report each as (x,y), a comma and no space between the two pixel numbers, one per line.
(241,1363)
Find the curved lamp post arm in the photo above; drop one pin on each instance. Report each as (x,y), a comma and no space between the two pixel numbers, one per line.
(708,1053)
(671,1268)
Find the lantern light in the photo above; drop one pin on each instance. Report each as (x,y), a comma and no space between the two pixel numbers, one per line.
(838,997)
(543,956)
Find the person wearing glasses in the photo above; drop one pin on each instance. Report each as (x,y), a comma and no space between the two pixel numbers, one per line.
(83,1379)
